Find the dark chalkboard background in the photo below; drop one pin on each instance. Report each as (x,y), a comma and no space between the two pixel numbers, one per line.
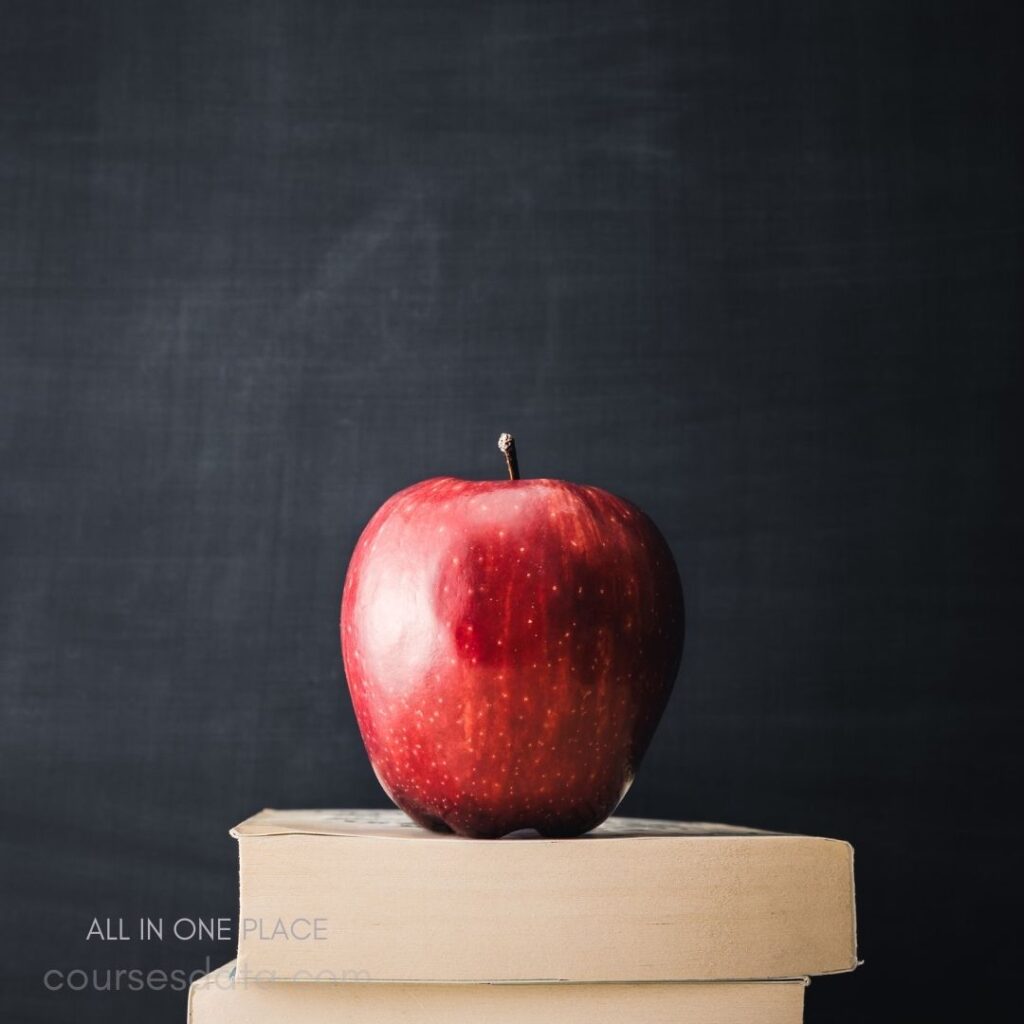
(755,266)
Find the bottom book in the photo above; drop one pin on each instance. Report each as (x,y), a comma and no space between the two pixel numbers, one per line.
(224,997)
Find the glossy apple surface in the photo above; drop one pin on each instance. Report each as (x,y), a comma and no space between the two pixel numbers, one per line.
(509,648)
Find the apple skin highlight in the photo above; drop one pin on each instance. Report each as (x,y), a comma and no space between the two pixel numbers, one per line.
(509,647)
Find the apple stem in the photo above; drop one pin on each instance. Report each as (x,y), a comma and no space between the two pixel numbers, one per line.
(507,447)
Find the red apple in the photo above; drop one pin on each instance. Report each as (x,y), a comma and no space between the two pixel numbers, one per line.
(510,647)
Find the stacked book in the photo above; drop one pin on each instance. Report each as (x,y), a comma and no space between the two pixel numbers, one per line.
(361,916)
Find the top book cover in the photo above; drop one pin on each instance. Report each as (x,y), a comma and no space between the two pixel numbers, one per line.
(337,894)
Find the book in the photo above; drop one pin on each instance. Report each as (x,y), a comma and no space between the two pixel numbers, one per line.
(222,997)
(342,895)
